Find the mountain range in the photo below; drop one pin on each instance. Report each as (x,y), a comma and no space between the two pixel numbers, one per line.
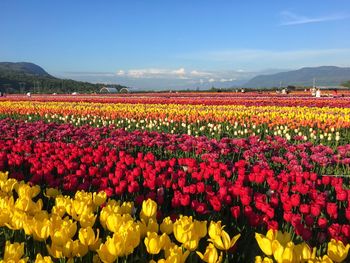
(324,76)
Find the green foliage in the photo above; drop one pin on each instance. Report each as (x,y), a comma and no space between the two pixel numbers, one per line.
(346,84)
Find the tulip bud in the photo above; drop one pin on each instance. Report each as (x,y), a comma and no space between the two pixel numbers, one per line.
(149,208)
(99,198)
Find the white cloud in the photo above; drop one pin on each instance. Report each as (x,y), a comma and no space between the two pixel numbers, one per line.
(211,80)
(196,73)
(160,73)
(290,18)
(180,71)
(120,73)
(136,73)
(226,80)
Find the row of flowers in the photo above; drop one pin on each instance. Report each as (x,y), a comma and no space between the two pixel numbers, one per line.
(19,138)
(216,130)
(319,124)
(262,186)
(46,226)
(247,99)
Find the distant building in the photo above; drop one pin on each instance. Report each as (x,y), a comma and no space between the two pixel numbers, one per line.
(124,90)
(108,90)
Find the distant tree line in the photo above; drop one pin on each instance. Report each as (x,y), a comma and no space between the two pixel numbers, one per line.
(346,84)
(15,82)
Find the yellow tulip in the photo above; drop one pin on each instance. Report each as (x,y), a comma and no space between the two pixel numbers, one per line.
(3,176)
(5,215)
(67,249)
(63,201)
(211,255)
(192,243)
(265,242)
(85,197)
(79,249)
(303,252)
(114,221)
(13,251)
(132,238)
(17,220)
(125,239)
(325,259)
(189,231)
(112,207)
(79,207)
(149,208)
(220,237)
(127,208)
(200,227)
(24,190)
(152,225)
(153,243)
(167,226)
(58,210)
(7,202)
(183,229)
(87,219)
(55,250)
(24,203)
(62,230)
(88,238)
(214,229)
(177,255)
(143,228)
(283,254)
(41,229)
(40,259)
(9,185)
(165,240)
(337,251)
(283,238)
(99,198)
(104,252)
(116,245)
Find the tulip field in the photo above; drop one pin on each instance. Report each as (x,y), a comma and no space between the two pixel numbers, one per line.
(182,177)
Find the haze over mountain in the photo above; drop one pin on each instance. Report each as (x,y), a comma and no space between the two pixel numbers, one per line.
(324,76)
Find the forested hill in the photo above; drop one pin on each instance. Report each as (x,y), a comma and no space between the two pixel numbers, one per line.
(27,77)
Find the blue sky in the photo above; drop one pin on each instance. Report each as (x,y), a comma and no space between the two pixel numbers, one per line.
(184,43)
